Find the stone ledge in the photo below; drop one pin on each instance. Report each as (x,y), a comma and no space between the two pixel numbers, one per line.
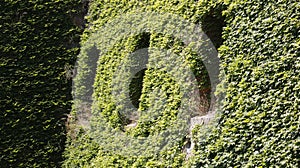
(201,120)
(198,120)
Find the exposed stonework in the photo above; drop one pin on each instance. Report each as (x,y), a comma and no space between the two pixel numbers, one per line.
(131,125)
(201,120)
(198,120)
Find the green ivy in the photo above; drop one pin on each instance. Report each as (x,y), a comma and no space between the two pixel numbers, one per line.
(159,93)
(259,123)
(259,126)
(37,41)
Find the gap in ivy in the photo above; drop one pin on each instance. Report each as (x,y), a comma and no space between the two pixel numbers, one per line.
(135,87)
(212,25)
(136,84)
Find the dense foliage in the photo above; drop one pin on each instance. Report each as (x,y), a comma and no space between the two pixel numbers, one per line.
(260,124)
(160,93)
(38,42)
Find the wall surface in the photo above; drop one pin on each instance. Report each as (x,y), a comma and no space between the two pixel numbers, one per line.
(258,124)
(38,46)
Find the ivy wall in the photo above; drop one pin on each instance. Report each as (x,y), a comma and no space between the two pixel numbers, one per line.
(38,46)
(259,121)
